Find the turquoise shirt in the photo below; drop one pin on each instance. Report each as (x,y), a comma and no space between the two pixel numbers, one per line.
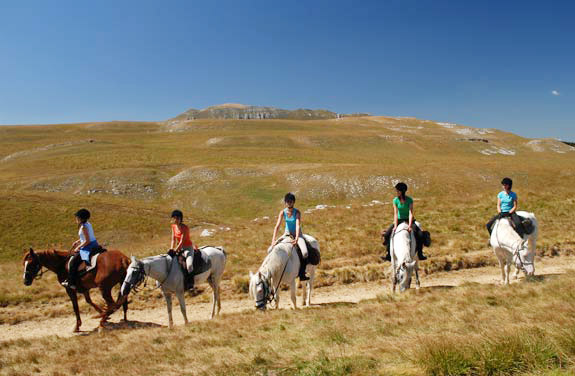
(290,221)
(507,200)
(402,209)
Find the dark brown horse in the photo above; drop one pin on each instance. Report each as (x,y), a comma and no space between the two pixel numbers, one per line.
(110,270)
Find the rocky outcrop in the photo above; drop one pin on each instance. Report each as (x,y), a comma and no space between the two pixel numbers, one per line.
(240,112)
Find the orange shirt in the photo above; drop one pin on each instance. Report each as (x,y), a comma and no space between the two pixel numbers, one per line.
(185,233)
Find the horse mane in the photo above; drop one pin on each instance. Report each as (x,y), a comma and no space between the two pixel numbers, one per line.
(272,256)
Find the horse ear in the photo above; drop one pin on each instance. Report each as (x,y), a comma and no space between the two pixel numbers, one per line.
(251,274)
(133,258)
(31,251)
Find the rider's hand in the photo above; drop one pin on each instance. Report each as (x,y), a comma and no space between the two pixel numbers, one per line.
(294,242)
(409,229)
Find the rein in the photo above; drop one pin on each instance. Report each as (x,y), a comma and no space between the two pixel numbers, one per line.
(268,298)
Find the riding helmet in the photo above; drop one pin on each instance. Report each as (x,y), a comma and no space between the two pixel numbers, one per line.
(402,187)
(177,214)
(83,215)
(507,181)
(289,197)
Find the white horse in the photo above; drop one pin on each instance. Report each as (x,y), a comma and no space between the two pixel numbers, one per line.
(281,265)
(403,258)
(170,278)
(510,248)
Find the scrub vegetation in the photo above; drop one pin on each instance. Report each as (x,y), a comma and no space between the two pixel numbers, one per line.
(229,176)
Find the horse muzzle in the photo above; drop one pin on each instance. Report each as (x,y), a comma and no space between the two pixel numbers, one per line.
(126,288)
(27,281)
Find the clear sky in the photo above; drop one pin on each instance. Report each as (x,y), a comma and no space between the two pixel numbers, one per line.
(497,64)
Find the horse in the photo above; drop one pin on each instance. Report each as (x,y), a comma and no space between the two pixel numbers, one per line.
(281,265)
(510,248)
(403,258)
(170,277)
(110,270)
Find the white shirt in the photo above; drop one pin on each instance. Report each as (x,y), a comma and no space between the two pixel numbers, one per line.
(88,226)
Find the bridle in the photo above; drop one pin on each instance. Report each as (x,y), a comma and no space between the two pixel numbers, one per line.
(140,276)
(271,294)
(38,270)
(268,295)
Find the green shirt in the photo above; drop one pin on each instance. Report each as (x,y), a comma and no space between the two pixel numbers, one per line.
(403,209)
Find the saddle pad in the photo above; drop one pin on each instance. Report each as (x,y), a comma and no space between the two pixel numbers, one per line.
(201,263)
(93,261)
(313,256)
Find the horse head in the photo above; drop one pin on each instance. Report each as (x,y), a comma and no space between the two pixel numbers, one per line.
(134,276)
(259,290)
(403,274)
(32,266)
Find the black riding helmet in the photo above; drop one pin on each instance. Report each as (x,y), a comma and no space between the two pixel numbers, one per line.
(289,197)
(83,215)
(402,187)
(507,181)
(177,214)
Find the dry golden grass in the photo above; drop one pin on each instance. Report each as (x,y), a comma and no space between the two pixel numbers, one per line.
(226,173)
(527,328)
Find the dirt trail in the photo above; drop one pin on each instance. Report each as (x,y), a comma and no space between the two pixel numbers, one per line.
(353,293)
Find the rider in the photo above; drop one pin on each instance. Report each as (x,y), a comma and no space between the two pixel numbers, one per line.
(292,218)
(403,212)
(507,207)
(181,242)
(82,248)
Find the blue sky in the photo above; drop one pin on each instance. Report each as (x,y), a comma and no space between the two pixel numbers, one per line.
(484,63)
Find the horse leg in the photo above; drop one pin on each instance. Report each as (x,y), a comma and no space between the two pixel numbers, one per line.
(502,266)
(90,302)
(417,283)
(507,272)
(182,301)
(107,295)
(308,290)
(292,289)
(124,306)
(215,297)
(219,298)
(168,297)
(74,298)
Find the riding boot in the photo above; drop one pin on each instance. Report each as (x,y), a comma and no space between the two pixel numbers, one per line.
(420,254)
(73,272)
(302,276)
(387,256)
(189,284)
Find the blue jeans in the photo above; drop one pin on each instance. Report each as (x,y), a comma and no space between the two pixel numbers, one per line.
(86,251)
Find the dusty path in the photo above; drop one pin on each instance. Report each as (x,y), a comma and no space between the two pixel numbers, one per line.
(353,293)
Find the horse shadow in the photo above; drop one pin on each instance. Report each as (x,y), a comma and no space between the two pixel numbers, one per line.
(330,304)
(122,325)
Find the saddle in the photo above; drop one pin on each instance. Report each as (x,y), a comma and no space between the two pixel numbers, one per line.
(86,267)
(200,262)
(527,224)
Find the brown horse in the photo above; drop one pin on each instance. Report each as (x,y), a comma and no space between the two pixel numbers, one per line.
(110,270)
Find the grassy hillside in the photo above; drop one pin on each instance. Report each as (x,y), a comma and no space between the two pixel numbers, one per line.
(225,174)
(471,330)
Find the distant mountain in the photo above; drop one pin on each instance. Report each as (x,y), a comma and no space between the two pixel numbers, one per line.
(241,111)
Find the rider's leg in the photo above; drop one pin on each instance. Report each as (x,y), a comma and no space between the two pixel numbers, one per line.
(518,224)
(386,238)
(419,242)
(304,252)
(73,272)
(189,277)
(489,224)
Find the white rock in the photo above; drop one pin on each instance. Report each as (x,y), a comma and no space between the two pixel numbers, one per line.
(207,233)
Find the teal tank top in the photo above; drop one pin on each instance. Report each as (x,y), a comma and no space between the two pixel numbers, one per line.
(290,221)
